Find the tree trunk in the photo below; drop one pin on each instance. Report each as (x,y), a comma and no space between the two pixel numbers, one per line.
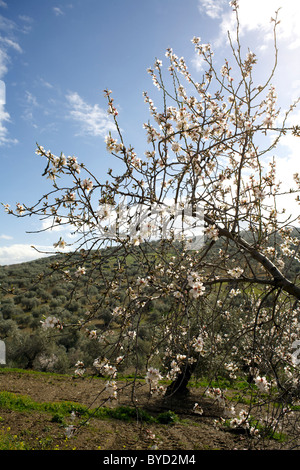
(179,386)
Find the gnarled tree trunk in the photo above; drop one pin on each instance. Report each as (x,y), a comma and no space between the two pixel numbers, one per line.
(179,386)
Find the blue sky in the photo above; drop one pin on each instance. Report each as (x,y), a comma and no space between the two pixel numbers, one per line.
(57,57)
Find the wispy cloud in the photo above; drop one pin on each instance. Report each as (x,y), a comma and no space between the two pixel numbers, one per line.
(31,99)
(58,11)
(10,43)
(6,237)
(27,23)
(7,42)
(92,119)
(30,103)
(3,4)
(26,18)
(45,83)
(3,62)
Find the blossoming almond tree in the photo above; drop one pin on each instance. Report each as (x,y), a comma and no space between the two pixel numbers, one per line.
(232,304)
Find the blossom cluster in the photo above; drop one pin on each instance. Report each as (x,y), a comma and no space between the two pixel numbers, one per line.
(104,367)
(197,409)
(249,62)
(52,322)
(271,112)
(60,164)
(79,369)
(212,232)
(262,383)
(153,376)
(236,272)
(111,108)
(195,283)
(198,344)
(217,394)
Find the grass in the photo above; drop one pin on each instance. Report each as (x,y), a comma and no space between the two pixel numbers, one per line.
(61,412)
(23,403)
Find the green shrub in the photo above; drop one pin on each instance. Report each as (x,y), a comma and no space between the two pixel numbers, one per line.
(58,418)
(167,417)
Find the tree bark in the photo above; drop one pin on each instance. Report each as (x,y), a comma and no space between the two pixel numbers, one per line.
(179,386)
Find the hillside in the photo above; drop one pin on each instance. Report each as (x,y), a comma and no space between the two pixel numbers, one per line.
(28,293)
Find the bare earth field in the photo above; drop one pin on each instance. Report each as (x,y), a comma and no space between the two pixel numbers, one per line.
(39,431)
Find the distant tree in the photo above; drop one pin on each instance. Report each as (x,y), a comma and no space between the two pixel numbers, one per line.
(23,348)
(7,328)
(231,302)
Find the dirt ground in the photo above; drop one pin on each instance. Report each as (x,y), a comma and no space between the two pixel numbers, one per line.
(191,432)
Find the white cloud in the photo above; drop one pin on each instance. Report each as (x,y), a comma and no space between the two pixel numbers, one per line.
(289,149)
(7,42)
(198,62)
(256,16)
(3,63)
(212,8)
(92,119)
(286,167)
(6,237)
(5,117)
(256,30)
(4,138)
(20,253)
(3,4)
(47,224)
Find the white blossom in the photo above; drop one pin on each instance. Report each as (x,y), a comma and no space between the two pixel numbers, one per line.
(60,244)
(212,232)
(153,376)
(80,271)
(80,368)
(87,184)
(198,344)
(262,383)
(236,272)
(104,367)
(51,322)
(197,409)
